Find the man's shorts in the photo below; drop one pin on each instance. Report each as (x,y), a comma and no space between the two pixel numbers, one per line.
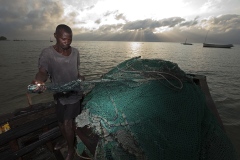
(68,111)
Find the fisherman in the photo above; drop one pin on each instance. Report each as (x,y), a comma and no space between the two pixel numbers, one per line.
(60,63)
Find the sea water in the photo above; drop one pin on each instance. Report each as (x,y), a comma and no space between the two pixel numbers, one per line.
(18,66)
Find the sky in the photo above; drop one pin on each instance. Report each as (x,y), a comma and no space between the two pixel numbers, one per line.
(197,21)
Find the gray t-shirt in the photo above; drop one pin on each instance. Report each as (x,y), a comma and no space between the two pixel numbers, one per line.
(62,69)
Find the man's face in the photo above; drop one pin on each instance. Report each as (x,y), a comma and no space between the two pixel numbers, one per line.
(64,39)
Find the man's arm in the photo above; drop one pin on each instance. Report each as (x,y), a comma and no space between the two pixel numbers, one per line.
(41,76)
(40,79)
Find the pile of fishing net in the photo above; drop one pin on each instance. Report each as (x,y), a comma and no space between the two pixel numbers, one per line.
(150,109)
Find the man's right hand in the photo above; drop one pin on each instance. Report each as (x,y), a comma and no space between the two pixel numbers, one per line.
(39,80)
(39,87)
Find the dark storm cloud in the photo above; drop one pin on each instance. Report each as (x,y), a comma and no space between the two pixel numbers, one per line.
(221,29)
(140,24)
(189,23)
(228,27)
(34,19)
(118,36)
(109,28)
(223,23)
(12,11)
(28,18)
(149,23)
(171,22)
(115,14)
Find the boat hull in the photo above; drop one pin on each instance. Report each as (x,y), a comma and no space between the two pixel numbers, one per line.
(187,43)
(217,45)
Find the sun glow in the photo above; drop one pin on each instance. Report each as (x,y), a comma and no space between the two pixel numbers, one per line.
(138,9)
(135,48)
(161,29)
(104,12)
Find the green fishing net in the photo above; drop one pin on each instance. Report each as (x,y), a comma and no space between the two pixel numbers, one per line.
(149,109)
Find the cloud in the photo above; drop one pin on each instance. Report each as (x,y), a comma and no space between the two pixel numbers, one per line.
(27,18)
(210,5)
(108,13)
(120,16)
(152,24)
(98,21)
(81,5)
(221,29)
(33,19)
(189,23)
(223,23)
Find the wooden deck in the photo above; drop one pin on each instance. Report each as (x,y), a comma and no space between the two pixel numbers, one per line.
(31,128)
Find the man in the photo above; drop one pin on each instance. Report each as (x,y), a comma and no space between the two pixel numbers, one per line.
(61,63)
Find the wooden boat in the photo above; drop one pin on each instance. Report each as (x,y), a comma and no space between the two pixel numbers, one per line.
(35,126)
(211,45)
(185,43)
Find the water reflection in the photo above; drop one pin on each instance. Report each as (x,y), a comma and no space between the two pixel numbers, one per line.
(136,48)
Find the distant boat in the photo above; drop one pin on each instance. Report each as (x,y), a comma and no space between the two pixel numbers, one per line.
(51,40)
(211,45)
(185,43)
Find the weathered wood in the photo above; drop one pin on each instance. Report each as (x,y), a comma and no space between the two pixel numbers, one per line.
(43,139)
(26,125)
(49,144)
(31,117)
(43,118)
(14,146)
(24,112)
(27,128)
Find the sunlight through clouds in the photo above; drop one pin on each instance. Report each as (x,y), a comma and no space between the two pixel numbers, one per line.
(139,9)
(128,20)
(162,29)
(132,10)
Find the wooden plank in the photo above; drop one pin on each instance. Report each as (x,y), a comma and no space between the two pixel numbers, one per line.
(26,128)
(52,134)
(22,112)
(31,117)
(48,144)
(14,146)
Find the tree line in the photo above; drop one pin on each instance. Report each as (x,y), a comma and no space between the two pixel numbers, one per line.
(3,38)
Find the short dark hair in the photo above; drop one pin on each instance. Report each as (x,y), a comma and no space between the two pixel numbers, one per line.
(63,27)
